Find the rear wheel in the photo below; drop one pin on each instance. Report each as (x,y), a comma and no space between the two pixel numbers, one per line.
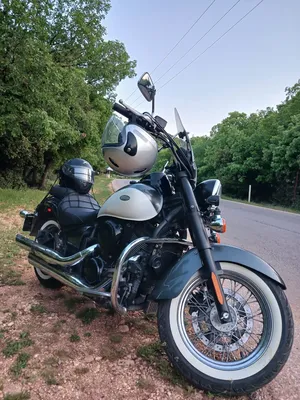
(234,358)
(52,227)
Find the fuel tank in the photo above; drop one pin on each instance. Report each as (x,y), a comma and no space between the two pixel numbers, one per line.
(136,202)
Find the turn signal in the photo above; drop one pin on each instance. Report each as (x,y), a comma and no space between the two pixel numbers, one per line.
(224,226)
(218,237)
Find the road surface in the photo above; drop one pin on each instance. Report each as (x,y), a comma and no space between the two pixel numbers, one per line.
(271,234)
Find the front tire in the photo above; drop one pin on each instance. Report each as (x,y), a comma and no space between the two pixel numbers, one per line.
(46,280)
(233,359)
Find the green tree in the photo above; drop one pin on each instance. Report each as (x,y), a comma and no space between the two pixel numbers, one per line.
(57,81)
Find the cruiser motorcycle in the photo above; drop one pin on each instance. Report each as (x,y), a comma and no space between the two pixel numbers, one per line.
(222,313)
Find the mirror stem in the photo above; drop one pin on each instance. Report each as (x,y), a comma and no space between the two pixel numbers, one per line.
(153,106)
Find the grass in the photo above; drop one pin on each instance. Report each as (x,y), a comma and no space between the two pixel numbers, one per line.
(19,364)
(116,338)
(72,302)
(74,338)
(87,334)
(38,309)
(17,396)
(9,251)
(57,327)
(14,346)
(87,315)
(49,377)
(12,198)
(112,353)
(101,188)
(155,355)
(265,205)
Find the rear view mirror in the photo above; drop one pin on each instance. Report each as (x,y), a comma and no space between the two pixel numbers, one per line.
(162,122)
(146,86)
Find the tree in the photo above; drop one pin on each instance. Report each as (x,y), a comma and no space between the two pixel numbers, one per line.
(57,81)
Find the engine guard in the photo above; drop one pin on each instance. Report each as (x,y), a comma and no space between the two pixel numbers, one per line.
(174,281)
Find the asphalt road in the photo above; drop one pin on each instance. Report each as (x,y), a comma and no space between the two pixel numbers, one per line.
(271,234)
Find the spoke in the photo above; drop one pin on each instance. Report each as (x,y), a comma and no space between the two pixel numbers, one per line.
(197,304)
(255,340)
(243,345)
(212,341)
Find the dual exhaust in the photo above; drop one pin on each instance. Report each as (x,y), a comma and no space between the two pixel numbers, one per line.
(65,269)
(53,264)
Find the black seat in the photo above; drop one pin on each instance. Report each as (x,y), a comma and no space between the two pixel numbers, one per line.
(60,192)
(78,209)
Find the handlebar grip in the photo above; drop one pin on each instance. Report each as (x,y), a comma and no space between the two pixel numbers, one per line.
(121,110)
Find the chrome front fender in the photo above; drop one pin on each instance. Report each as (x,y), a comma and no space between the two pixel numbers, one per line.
(176,278)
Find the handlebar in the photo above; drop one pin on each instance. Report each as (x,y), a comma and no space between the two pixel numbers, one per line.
(130,113)
(121,110)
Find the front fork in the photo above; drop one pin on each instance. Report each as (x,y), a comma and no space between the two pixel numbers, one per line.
(201,242)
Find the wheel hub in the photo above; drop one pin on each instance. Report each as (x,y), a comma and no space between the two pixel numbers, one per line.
(208,325)
(218,325)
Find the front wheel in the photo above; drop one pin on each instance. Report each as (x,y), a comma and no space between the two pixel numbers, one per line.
(234,358)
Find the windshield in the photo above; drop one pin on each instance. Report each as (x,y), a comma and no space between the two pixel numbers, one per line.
(183,141)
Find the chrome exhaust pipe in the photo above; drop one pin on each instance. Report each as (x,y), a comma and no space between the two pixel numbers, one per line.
(63,276)
(51,256)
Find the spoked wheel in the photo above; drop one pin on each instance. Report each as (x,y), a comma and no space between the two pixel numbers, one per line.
(233,358)
(52,228)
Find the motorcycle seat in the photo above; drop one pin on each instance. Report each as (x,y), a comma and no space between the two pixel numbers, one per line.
(60,192)
(77,209)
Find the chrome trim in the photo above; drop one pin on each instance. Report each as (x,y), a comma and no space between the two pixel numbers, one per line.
(217,224)
(121,260)
(70,280)
(24,214)
(51,256)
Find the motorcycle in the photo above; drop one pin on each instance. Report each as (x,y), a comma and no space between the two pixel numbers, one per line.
(222,313)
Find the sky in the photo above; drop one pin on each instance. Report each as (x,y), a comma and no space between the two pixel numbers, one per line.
(246,71)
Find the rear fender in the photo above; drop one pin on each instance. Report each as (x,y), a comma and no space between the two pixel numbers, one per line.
(174,281)
(46,210)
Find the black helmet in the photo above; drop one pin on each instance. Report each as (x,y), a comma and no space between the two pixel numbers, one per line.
(77,174)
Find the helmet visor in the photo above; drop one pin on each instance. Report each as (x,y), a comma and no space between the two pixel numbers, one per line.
(113,133)
(84,174)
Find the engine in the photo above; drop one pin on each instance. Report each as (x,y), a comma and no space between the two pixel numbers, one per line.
(142,268)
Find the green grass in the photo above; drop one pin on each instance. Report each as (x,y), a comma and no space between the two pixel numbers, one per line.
(9,275)
(74,338)
(265,205)
(14,346)
(12,198)
(72,302)
(17,396)
(38,309)
(101,188)
(19,364)
(49,377)
(155,355)
(87,315)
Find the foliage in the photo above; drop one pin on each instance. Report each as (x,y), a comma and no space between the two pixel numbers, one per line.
(262,150)
(57,81)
